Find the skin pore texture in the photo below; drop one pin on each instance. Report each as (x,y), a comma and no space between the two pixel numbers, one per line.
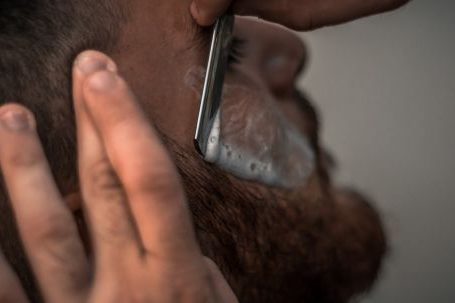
(313,243)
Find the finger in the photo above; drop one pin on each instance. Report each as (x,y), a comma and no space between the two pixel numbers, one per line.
(11,290)
(46,227)
(104,199)
(309,14)
(144,167)
(297,14)
(205,12)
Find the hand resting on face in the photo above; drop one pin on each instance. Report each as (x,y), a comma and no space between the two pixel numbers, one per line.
(145,249)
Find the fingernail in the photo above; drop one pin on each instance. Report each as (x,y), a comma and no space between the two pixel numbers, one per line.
(89,64)
(15,121)
(103,81)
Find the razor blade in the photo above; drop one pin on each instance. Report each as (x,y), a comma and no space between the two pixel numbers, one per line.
(214,80)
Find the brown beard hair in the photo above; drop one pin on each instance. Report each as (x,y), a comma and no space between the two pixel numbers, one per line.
(311,244)
(272,245)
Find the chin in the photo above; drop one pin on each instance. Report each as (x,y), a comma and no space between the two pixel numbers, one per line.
(313,244)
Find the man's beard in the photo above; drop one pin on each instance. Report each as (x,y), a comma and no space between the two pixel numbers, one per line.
(272,245)
(276,245)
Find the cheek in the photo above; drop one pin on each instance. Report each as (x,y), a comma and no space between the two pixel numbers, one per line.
(253,139)
(194,80)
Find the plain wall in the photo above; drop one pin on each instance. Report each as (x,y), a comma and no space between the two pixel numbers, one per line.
(385,87)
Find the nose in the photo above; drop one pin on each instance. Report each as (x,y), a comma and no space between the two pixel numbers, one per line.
(277,54)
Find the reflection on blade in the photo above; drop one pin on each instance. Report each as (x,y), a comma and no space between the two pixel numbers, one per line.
(214,80)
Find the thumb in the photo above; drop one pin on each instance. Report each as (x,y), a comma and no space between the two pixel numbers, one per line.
(205,12)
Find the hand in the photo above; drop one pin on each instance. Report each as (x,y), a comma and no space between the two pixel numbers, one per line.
(295,14)
(145,249)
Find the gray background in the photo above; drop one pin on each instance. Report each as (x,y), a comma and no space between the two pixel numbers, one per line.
(386,88)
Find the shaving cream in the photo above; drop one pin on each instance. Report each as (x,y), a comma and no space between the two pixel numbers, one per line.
(253,140)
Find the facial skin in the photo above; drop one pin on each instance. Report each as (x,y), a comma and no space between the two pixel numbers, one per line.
(165,95)
(311,244)
(272,245)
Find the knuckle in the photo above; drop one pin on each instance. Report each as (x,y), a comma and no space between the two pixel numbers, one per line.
(103,181)
(25,157)
(54,241)
(49,228)
(159,182)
